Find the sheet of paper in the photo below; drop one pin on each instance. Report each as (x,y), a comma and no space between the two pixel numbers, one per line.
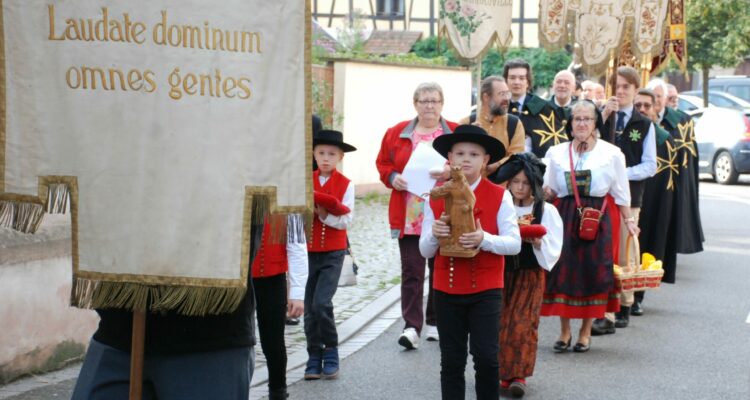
(417,170)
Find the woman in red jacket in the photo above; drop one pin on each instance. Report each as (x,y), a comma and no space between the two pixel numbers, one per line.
(405,212)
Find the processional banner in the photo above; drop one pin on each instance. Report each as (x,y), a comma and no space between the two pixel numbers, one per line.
(675,40)
(474,26)
(599,28)
(171,124)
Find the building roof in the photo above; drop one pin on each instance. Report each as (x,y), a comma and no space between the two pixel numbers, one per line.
(322,38)
(391,42)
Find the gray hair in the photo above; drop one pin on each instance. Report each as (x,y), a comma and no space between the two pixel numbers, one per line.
(428,87)
(583,105)
(671,86)
(657,83)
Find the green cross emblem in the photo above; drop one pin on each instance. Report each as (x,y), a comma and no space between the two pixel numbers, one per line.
(635,135)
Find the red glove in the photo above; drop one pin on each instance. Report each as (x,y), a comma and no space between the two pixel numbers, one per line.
(532,231)
(330,203)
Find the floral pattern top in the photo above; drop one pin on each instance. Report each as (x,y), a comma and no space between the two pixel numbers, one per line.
(415,204)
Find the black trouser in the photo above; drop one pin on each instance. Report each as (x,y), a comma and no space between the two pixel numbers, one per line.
(270,297)
(474,318)
(322,282)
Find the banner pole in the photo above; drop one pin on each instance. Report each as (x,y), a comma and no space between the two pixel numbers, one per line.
(479,83)
(609,89)
(136,355)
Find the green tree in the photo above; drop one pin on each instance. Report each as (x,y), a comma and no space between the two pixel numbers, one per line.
(545,64)
(718,34)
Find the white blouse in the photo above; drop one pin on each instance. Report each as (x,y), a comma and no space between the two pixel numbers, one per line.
(549,252)
(606,163)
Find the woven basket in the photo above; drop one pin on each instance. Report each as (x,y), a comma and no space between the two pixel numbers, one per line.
(632,277)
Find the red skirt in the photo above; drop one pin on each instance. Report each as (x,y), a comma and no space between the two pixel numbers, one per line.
(558,304)
(582,283)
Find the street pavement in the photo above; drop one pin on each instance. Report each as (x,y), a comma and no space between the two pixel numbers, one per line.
(692,343)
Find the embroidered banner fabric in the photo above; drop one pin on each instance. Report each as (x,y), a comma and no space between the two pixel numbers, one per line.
(169,123)
(474,26)
(675,40)
(599,27)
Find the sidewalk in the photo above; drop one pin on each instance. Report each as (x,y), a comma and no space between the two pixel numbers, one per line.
(356,308)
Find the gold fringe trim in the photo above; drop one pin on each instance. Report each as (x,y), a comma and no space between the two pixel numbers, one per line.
(25,217)
(190,301)
(25,213)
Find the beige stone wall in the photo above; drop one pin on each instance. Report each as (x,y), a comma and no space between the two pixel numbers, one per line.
(40,330)
(373,97)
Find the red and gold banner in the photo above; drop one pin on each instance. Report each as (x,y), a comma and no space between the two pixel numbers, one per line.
(675,39)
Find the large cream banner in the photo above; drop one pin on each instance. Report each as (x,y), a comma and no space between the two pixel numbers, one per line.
(474,26)
(170,122)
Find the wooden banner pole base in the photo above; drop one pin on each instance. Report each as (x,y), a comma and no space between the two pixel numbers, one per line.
(137,355)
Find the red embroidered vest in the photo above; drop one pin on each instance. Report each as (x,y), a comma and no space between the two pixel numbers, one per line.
(325,238)
(270,259)
(484,271)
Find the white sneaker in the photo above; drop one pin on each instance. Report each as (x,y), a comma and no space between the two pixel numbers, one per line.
(431,333)
(409,339)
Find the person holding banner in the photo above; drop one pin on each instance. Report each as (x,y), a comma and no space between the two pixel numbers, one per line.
(269,270)
(326,250)
(635,135)
(405,211)
(186,357)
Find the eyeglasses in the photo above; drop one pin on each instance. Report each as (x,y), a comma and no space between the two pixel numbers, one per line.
(504,95)
(429,102)
(583,120)
(671,98)
(646,106)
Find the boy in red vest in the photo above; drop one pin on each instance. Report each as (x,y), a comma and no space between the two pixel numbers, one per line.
(326,249)
(468,290)
(269,270)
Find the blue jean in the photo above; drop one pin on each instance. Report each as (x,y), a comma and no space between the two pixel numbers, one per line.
(322,282)
(472,318)
(224,374)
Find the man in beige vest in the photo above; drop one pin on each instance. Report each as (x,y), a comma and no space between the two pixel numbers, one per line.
(493,117)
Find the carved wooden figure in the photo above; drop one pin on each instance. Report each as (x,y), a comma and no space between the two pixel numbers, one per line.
(459,213)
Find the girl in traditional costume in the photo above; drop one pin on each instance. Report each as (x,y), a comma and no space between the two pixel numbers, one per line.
(542,236)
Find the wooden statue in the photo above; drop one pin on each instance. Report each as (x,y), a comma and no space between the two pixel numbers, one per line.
(459,213)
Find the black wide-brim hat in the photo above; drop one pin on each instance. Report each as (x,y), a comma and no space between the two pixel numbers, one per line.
(334,138)
(473,134)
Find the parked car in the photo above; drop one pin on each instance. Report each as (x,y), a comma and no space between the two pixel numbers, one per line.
(720,99)
(689,103)
(736,85)
(722,136)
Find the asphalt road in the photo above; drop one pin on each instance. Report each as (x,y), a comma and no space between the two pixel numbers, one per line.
(692,343)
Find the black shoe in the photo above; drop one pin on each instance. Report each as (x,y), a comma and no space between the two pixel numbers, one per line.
(602,326)
(292,321)
(622,318)
(582,348)
(561,346)
(278,394)
(636,309)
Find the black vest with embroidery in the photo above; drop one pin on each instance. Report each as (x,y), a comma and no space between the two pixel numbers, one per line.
(541,123)
(526,259)
(630,142)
